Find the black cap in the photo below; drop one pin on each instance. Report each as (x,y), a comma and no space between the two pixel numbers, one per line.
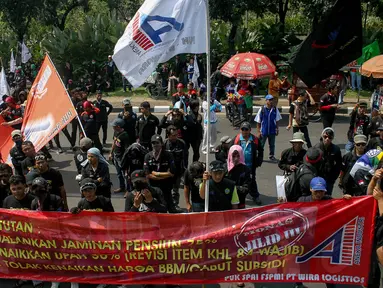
(33,174)
(363,104)
(216,166)
(39,182)
(156,138)
(313,155)
(99,92)
(137,175)
(145,104)
(246,125)
(87,183)
(118,122)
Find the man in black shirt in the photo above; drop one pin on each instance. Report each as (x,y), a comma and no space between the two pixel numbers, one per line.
(222,192)
(5,175)
(19,198)
(130,119)
(192,181)
(81,155)
(332,158)
(195,129)
(292,158)
(160,169)
(91,201)
(144,198)
(16,153)
(177,148)
(53,178)
(88,119)
(29,151)
(329,106)
(222,150)
(359,124)
(120,144)
(146,126)
(102,117)
(376,142)
(44,201)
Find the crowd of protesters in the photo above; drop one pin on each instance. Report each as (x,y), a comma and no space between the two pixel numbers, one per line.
(151,167)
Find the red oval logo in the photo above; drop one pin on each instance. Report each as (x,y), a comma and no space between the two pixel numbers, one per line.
(281,227)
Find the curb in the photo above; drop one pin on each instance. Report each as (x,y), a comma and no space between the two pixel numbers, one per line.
(283,109)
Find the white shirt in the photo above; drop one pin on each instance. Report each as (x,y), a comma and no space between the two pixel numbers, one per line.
(213,115)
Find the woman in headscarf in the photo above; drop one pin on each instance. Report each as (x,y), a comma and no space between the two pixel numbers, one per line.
(98,170)
(239,173)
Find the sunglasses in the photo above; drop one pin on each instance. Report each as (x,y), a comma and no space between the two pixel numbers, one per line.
(360,144)
(244,129)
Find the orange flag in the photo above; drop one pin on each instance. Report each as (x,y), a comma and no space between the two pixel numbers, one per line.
(6,142)
(49,107)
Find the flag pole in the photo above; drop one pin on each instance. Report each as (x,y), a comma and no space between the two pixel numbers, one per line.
(66,92)
(208,98)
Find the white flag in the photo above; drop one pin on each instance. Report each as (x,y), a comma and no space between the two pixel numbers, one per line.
(160,30)
(195,73)
(25,54)
(4,87)
(12,63)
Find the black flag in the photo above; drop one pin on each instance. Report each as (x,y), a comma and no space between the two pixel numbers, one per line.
(335,42)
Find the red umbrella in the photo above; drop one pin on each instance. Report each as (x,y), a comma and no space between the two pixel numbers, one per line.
(248,66)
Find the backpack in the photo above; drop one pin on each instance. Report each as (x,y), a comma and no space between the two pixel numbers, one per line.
(304,121)
(292,187)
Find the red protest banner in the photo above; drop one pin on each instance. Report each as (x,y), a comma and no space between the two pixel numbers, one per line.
(327,241)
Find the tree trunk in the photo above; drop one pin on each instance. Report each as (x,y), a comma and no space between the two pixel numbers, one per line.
(282,12)
(232,34)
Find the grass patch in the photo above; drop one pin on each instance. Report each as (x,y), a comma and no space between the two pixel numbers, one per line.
(354,94)
(136,93)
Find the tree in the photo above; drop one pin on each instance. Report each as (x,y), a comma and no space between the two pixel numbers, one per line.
(55,12)
(230,11)
(125,8)
(18,14)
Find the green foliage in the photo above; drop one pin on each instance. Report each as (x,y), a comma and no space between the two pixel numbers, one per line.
(94,40)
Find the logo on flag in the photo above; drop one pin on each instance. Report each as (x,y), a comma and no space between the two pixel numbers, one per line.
(145,35)
(160,30)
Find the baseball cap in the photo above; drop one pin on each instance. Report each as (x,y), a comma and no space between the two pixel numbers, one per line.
(137,175)
(380,128)
(99,92)
(145,104)
(16,133)
(216,166)
(86,142)
(87,183)
(32,175)
(318,184)
(39,182)
(118,122)
(360,139)
(126,101)
(363,104)
(313,155)
(226,139)
(246,125)
(180,85)
(269,97)
(156,138)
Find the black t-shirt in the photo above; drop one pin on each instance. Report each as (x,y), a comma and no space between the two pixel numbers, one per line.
(101,204)
(27,165)
(55,181)
(121,143)
(164,163)
(52,203)
(24,204)
(193,184)
(4,193)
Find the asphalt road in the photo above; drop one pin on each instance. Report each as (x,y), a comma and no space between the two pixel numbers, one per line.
(265,178)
